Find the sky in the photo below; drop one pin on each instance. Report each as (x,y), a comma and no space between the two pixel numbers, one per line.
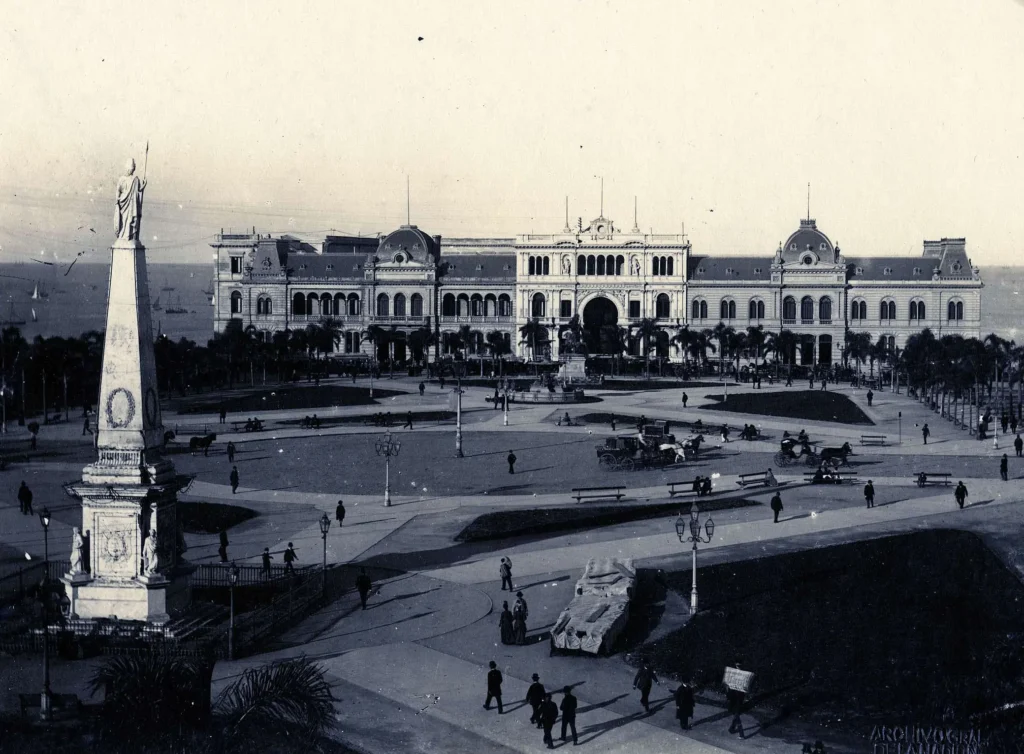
(906,117)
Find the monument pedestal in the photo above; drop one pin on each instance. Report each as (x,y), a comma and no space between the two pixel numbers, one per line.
(153,600)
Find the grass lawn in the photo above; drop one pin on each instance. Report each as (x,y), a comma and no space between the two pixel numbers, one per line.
(502,524)
(815,405)
(284,397)
(922,627)
(210,518)
(397,419)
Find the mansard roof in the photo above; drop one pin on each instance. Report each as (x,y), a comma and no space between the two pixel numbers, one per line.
(484,266)
(340,266)
(740,269)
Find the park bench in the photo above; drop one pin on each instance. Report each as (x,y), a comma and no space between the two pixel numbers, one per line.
(934,477)
(759,478)
(844,476)
(59,703)
(872,439)
(592,493)
(687,488)
(247,426)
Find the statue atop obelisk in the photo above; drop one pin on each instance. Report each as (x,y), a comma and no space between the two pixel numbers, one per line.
(129,493)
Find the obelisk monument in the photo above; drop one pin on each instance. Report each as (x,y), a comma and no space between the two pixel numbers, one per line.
(129,494)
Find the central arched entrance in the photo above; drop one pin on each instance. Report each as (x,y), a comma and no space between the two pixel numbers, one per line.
(600,327)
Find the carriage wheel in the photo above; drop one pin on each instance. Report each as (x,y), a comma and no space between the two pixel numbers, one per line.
(782,459)
(835,462)
(606,462)
(627,464)
(813,459)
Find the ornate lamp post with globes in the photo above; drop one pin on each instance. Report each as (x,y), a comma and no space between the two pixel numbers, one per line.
(695,536)
(45,699)
(386,446)
(233,580)
(325,526)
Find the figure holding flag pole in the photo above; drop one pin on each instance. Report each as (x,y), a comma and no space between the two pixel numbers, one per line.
(130,189)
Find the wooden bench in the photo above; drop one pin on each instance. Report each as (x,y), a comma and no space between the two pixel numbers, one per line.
(687,485)
(240,426)
(592,493)
(843,476)
(760,478)
(872,440)
(924,477)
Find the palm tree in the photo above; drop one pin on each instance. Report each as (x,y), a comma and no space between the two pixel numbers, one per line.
(858,345)
(879,351)
(498,347)
(722,333)
(419,341)
(700,345)
(782,344)
(533,332)
(647,330)
(737,344)
(684,339)
(378,336)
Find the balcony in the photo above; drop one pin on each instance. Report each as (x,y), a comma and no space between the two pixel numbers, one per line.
(474,319)
(824,321)
(787,321)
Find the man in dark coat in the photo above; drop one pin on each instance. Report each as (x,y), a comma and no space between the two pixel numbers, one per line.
(535,698)
(267,557)
(548,716)
(505,569)
(339,513)
(871,396)
(643,680)
(960,494)
(568,707)
(289,558)
(776,505)
(231,452)
(511,462)
(25,499)
(223,549)
(925,432)
(493,686)
(363,585)
(1018,445)
(869,494)
(234,479)
(735,699)
(1003,467)
(684,705)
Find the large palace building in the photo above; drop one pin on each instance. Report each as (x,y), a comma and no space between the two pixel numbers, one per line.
(613,279)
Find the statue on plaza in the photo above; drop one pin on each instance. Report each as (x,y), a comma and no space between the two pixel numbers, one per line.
(150,555)
(130,189)
(77,548)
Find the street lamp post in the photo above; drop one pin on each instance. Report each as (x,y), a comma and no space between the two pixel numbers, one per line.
(458,419)
(387,446)
(325,526)
(45,699)
(695,536)
(233,580)
(505,395)
(900,417)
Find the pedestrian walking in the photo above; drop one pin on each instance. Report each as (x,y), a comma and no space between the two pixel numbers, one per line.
(871,397)
(960,494)
(735,699)
(789,380)
(568,707)
(812,382)
(493,687)
(505,625)
(408,421)
(776,505)
(231,452)
(267,557)
(440,379)
(925,432)
(548,716)
(339,513)
(613,424)
(685,398)
(223,415)
(725,433)
(1013,425)
(823,383)
(1018,445)
(234,479)
(869,494)
(684,704)
(643,680)
(223,549)
(505,569)
(535,698)
(25,499)
(363,585)
(422,388)
(289,558)
(85,426)
(1004,422)
(519,624)
(1003,463)
(511,462)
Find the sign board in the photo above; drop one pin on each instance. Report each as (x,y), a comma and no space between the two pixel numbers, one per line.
(738,680)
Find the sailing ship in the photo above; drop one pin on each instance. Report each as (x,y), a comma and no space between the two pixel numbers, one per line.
(177,308)
(39,293)
(12,319)
(35,317)
(156,305)
(167,287)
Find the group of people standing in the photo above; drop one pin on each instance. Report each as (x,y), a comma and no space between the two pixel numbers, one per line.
(513,622)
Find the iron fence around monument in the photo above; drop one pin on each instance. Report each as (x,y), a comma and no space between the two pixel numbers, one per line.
(254,628)
(216,575)
(16,583)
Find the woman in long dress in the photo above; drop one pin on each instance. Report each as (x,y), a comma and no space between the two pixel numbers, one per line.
(505,623)
(519,626)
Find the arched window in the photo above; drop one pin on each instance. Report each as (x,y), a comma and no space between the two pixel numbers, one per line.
(755,309)
(703,309)
(268,306)
(789,308)
(416,305)
(476,305)
(600,265)
(448,305)
(382,305)
(326,305)
(591,265)
(353,304)
(399,304)
(581,265)
(609,267)
(825,309)
(490,305)
(959,309)
(955,311)
(887,310)
(858,309)
(695,309)
(670,264)
(298,304)
(917,310)
(532,266)
(654,265)
(662,306)
(339,303)
(505,305)
(236,302)
(312,304)
(727,309)
(807,309)
(547,265)
(619,262)
(463,302)
(538,309)
(732,310)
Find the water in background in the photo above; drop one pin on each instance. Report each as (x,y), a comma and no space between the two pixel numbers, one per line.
(76,302)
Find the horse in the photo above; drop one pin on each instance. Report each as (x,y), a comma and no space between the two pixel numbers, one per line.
(837,456)
(201,443)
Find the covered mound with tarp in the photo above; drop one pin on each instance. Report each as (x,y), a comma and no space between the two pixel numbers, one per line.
(598,612)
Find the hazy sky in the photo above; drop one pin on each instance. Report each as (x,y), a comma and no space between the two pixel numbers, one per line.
(906,116)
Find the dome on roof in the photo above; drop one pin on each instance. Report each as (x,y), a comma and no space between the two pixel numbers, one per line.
(806,241)
(405,244)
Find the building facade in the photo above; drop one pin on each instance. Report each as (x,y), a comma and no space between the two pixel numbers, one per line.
(471,290)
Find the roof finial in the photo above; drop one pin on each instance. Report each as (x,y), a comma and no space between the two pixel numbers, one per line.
(636,228)
(808,201)
(567,229)
(408,211)
(602,196)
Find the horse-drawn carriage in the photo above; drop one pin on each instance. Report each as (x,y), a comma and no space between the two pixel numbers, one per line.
(793,450)
(646,450)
